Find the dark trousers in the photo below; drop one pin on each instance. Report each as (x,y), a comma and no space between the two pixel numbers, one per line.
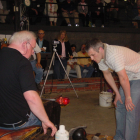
(95,16)
(35,18)
(43,62)
(113,14)
(59,72)
(85,19)
(89,73)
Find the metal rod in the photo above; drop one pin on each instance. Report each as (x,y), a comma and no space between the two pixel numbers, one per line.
(66,73)
(49,70)
(47,74)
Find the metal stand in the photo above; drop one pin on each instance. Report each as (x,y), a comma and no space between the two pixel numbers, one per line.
(50,68)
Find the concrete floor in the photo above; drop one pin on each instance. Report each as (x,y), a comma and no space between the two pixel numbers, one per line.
(86,111)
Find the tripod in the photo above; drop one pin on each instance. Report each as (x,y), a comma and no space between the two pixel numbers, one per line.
(53,58)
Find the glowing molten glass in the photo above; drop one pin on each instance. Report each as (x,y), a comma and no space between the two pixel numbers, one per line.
(63,100)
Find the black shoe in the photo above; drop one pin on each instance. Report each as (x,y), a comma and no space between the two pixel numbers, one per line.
(38,86)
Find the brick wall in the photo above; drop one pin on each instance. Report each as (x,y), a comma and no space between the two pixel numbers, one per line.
(83,84)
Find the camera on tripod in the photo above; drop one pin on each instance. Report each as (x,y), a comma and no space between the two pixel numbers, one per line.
(55,43)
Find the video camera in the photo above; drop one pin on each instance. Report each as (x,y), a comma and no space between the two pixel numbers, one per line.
(55,42)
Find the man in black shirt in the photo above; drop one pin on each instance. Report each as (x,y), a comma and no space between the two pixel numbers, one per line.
(112,9)
(36,11)
(97,12)
(20,104)
(69,10)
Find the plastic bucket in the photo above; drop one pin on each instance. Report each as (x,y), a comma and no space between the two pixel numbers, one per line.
(105,99)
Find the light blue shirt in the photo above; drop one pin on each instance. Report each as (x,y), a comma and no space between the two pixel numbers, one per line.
(40,43)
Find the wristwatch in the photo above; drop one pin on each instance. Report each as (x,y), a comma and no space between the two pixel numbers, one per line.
(27,2)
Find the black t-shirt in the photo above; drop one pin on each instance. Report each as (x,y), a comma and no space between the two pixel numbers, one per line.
(112,5)
(16,77)
(68,6)
(97,7)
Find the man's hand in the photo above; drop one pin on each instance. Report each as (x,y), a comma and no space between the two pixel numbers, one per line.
(72,66)
(124,82)
(129,104)
(88,65)
(84,14)
(117,98)
(36,12)
(71,12)
(42,49)
(49,125)
(38,65)
(98,12)
(64,10)
(81,65)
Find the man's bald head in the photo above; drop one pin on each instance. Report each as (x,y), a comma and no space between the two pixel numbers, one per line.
(41,34)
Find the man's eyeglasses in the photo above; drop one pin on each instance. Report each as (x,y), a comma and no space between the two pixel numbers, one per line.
(41,33)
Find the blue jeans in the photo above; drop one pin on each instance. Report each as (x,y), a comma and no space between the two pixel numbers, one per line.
(89,73)
(128,122)
(38,72)
(59,72)
(32,121)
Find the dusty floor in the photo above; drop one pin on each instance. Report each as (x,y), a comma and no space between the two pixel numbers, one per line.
(86,111)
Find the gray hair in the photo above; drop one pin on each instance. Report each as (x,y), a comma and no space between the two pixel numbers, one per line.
(95,44)
(22,36)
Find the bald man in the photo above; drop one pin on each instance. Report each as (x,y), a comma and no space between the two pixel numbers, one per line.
(44,46)
(20,104)
(42,43)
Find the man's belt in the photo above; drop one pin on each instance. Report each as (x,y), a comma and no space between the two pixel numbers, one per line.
(12,125)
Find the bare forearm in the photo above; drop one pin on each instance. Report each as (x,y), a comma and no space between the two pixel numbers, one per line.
(124,81)
(36,105)
(64,10)
(111,82)
(38,57)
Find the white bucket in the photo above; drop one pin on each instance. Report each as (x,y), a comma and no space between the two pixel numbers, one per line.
(105,99)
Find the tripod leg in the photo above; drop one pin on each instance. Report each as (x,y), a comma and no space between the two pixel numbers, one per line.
(66,74)
(47,74)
